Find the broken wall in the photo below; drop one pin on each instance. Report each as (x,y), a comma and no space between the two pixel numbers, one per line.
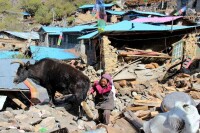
(108,56)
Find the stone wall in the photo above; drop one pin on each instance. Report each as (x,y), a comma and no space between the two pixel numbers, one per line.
(108,56)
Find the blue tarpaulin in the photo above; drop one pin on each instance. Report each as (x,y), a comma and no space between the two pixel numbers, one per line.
(39,53)
(8,72)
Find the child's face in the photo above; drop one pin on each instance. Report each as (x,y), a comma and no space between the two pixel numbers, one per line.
(103,82)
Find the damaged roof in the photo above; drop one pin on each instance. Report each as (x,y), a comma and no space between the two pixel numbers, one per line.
(122,13)
(24,35)
(89,36)
(8,72)
(79,28)
(92,5)
(39,52)
(128,26)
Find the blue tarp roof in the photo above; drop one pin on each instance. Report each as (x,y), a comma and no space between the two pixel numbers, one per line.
(7,54)
(24,35)
(92,5)
(8,72)
(58,30)
(120,13)
(50,29)
(39,52)
(129,26)
(25,13)
(148,13)
(80,28)
(89,36)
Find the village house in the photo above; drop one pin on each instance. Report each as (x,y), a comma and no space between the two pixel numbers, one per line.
(11,40)
(85,8)
(49,35)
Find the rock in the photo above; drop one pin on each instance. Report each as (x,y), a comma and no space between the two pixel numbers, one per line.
(117,86)
(171,82)
(22,118)
(5,124)
(48,123)
(34,120)
(33,112)
(196,86)
(195,94)
(134,94)
(80,124)
(122,83)
(45,114)
(17,112)
(99,72)
(115,113)
(8,115)
(26,127)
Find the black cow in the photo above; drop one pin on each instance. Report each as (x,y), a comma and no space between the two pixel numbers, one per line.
(55,75)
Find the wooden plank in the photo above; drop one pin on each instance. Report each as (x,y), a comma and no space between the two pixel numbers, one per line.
(17,101)
(138,108)
(154,113)
(168,57)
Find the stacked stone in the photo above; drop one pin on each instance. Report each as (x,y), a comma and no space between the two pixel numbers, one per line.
(108,55)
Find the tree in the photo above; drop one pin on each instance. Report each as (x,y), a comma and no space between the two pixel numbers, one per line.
(43,15)
(31,6)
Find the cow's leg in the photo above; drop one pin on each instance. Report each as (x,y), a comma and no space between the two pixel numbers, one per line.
(51,94)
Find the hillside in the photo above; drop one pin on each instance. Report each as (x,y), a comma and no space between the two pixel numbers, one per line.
(43,12)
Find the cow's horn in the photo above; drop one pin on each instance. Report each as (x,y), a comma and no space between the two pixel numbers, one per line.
(20,62)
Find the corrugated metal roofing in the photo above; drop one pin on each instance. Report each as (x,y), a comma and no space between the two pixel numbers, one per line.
(92,5)
(120,13)
(156,19)
(39,53)
(8,72)
(58,30)
(24,35)
(129,26)
(148,13)
(89,36)
(49,29)
(7,54)
(80,28)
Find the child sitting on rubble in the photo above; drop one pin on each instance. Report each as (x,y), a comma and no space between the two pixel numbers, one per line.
(104,97)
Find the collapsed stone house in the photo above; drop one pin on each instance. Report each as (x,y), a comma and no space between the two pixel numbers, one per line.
(132,35)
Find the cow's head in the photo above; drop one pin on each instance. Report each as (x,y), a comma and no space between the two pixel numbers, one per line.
(22,71)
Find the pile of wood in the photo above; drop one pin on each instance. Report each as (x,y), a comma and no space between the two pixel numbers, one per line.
(129,52)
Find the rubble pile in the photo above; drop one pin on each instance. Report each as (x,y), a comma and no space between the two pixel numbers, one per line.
(37,119)
(91,73)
